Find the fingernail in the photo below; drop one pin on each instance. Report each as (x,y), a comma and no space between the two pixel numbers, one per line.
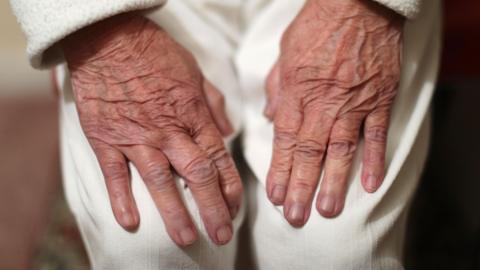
(128,220)
(187,236)
(371,183)
(278,194)
(296,214)
(224,234)
(327,205)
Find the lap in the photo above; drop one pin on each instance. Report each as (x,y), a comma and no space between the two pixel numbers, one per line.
(369,234)
(108,245)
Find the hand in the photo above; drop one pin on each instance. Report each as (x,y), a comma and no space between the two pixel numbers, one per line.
(338,71)
(141,98)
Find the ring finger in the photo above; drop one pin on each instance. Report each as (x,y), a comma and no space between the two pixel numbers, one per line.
(341,148)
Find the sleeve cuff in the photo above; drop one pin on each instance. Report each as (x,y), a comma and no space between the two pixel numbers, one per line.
(407,8)
(46,22)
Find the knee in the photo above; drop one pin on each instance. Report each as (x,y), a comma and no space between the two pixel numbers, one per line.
(342,243)
(111,247)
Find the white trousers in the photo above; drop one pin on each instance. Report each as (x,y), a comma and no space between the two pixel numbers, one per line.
(235,43)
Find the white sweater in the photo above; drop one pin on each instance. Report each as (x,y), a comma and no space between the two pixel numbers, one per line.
(45,22)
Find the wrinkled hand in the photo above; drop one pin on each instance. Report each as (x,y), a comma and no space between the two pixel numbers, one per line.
(338,72)
(141,98)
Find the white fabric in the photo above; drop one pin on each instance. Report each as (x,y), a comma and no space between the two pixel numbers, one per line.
(46,22)
(407,8)
(236,43)
(369,232)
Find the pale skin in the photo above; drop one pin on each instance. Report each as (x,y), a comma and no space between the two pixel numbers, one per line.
(141,98)
(335,81)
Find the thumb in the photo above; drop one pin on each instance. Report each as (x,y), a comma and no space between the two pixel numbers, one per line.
(216,105)
(273,87)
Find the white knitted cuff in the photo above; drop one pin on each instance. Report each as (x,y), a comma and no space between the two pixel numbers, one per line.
(407,8)
(45,22)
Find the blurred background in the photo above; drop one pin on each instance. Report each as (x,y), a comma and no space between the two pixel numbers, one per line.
(36,229)
(38,232)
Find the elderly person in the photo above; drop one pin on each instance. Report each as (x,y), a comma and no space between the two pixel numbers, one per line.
(148,90)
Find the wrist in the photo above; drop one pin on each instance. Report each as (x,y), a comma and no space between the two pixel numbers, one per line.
(345,9)
(102,37)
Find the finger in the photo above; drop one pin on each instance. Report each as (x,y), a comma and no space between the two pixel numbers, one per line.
(341,148)
(208,138)
(375,133)
(216,104)
(192,163)
(309,152)
(117,179)
(273,87)
(154,169)
(287,123)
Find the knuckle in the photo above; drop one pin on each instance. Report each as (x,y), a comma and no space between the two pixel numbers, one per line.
(306,78)
(309,150)
(302,74)
(233,190)
(115,171)
(201,172)
(284,140)
(341,148)
(153,173)
(192,101)
(218,153)
(201,125)
(230,175)
(190,105)
(303,186)
(225,164)
(280,167)
(377,134)
(157,177)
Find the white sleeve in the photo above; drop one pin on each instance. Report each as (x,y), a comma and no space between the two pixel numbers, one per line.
(45,22)
(407,8)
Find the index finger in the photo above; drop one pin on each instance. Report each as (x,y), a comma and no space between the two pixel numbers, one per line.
(210,141)
(117,179)
(191,162)
(156,173)
(287,122)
